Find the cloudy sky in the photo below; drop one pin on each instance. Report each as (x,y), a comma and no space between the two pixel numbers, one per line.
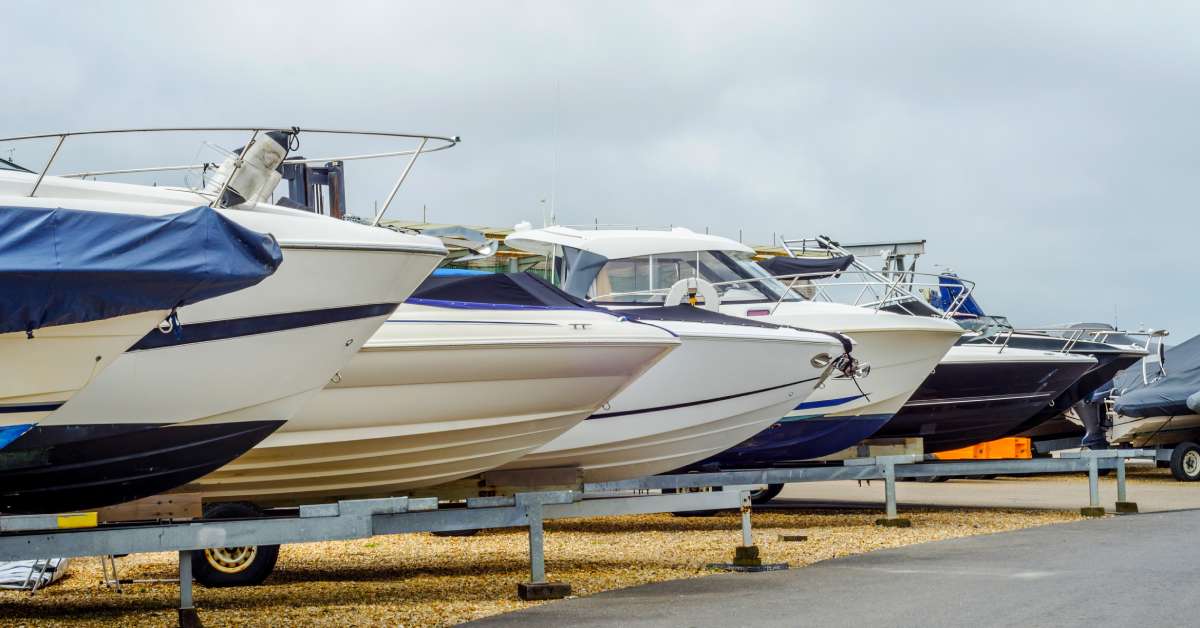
(1046,150)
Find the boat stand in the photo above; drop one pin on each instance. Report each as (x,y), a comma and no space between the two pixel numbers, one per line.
(893,468)
(22,536)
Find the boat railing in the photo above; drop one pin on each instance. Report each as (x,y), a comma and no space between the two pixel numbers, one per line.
(424,144)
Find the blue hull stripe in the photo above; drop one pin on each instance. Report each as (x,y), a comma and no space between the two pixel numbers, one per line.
(30,407)
(825,403)
(234,328)
(9,433)
(473,305)
(605,415)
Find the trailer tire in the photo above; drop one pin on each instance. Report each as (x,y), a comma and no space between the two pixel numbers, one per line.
(765,494)
(233,566)
(1185,462)
(451,533)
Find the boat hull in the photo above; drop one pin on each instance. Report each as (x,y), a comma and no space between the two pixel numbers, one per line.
(1155,431)
(43,372)
(978,395)
(439,395)
(842,412)
(97,465)
(798,438)
(687,408)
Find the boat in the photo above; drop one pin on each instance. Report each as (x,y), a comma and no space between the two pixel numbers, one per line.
(996,381)
(1157,407)
(461,379)
(979,393)
(624,268)
(189,397)
(78,288)
(692,405)
(1113,350)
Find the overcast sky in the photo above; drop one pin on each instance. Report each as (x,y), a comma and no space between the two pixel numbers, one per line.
(1049,151)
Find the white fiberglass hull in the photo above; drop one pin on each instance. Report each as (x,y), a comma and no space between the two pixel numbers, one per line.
(723,385)
(440,394)
(901,351)
(43,372)
(1154,431)
(182,402)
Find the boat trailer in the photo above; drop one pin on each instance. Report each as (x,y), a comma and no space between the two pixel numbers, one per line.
(25,537)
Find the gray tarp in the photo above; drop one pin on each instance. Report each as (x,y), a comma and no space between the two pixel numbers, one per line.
(1168,395)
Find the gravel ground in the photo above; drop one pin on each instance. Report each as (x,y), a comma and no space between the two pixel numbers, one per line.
(422,580)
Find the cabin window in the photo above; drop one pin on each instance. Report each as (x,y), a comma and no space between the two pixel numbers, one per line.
(621,276)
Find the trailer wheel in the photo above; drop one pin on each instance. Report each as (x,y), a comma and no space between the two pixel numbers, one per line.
(233,566)
(765,494)
(467,532)
(1185,462)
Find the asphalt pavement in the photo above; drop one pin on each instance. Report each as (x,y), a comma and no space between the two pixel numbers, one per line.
(1131,570)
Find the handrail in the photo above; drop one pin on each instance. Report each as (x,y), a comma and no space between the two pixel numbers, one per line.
(443,143)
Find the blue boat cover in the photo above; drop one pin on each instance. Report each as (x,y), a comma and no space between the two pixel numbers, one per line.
(517,289)
(949,289)
(1168,395)
(62,266)
(811,267)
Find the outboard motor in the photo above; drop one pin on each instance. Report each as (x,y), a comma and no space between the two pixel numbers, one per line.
(253,172)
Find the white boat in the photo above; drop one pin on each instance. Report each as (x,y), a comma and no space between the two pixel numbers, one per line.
(444,390)
(726,382)
(79,288)
(187,399)
(632,268)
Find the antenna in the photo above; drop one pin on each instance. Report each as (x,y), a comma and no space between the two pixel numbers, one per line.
(554,170)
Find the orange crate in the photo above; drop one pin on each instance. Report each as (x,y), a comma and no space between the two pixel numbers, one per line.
(1012,447)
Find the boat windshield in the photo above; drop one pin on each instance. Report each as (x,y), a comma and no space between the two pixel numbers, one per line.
(648,278)
(986,325)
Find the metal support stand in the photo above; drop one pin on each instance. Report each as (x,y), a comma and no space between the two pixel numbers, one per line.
(187,612)
(1123,506)
(891,519)
(538,588)
(1093,509)
(746,557)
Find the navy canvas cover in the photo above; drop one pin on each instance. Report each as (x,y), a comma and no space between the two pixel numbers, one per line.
(522,289)
(1167,396)
(63,266)
(949,289)
(811,267)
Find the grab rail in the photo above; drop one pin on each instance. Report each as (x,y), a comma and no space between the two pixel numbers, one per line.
(442,143)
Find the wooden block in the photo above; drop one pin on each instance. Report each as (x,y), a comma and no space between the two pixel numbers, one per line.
(156,508)
(535,591)
(534,478)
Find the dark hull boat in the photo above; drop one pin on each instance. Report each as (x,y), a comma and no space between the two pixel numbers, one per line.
(1047,422)
(1112,350)
(57,468)
(794,439)
(979,393)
